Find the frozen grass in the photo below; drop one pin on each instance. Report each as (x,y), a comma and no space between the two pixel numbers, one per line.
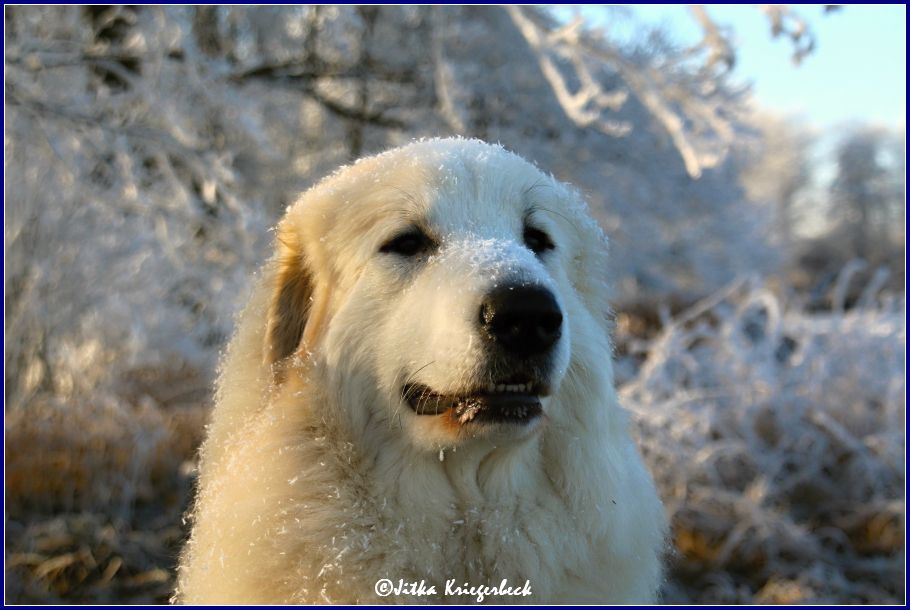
(95,490)
(776,438)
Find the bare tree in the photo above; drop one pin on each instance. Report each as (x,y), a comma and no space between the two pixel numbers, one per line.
(780,172)
(862,193)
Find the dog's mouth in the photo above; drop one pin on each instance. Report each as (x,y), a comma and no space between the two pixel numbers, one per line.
(497,403)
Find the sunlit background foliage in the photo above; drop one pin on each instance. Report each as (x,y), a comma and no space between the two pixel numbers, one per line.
(758,289)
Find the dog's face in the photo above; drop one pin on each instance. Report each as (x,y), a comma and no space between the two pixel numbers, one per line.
(444,286)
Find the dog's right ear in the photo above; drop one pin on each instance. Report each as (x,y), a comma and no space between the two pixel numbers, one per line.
(292,298)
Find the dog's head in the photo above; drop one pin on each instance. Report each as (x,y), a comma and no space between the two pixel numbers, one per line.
(447,289)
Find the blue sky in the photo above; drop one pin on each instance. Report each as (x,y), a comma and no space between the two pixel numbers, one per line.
(857,73)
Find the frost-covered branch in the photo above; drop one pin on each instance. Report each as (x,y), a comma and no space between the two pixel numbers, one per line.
(586,105)
(715,40)
(784,21)
(692,115)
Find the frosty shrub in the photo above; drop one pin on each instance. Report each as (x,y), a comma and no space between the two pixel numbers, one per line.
(777,441)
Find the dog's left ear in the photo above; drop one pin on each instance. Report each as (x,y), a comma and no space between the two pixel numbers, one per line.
(297,306)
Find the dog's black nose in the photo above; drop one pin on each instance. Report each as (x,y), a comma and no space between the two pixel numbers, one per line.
(521,319)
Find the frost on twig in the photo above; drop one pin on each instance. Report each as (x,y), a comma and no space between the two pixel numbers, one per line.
(785,22)
(587,104)
(442,77)
(691,111)
(776,439)
(716,40)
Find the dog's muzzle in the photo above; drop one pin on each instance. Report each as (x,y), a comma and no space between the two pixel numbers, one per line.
(520,324)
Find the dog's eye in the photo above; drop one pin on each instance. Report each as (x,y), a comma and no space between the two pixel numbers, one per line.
(411,243)
(538,241)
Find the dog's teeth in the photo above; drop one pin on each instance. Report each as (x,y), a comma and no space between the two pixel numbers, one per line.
(491,387)
(501,387)
(520,387)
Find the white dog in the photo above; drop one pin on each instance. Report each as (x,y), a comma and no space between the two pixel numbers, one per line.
(418,403)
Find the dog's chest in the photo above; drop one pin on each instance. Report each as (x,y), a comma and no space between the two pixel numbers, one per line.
(469,544)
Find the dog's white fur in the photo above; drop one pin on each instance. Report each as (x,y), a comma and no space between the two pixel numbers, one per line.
(316,480)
